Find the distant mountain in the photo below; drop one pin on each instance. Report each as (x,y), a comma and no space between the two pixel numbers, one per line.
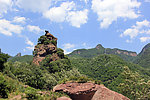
(143,57)
(99,49)
(25,58)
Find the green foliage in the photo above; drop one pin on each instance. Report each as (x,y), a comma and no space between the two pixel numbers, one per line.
(35,53)
(47,41)
(60,53)
(38,76)
(25,58)
(7,85)
(107,68)
(89,53)
(134,86)
(31,94)
(3,59)
(143,58)
(54,42)
(56,66)
(42,39)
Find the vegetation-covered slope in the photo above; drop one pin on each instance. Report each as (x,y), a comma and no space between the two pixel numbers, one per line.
(110,69)
(99,49)
(25,58)
(143,58)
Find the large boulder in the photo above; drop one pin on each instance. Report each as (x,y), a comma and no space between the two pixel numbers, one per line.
(104,93)
(78,91)
(63,98)
(88,91)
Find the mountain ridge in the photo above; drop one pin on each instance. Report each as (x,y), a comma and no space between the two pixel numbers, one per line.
(99,49)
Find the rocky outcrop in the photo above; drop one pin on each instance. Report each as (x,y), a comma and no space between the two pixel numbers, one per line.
(104,93)
(63,98)
(133,54)
(99,46)
(78,91)
(88,91)
(18,55)
(47,45)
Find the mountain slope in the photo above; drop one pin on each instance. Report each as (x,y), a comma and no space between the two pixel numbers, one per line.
(111,70)
(99,49)
(143,58)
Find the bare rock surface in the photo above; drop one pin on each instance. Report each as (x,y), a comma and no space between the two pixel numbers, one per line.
(88,91)
(64,98)
(104,93)
(78,91)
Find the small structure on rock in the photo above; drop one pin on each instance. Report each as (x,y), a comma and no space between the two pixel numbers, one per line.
(47,45)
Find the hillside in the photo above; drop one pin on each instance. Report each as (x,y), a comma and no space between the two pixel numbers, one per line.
(143,57)
(111,70)
(37,77)
(25,58)
(99,49)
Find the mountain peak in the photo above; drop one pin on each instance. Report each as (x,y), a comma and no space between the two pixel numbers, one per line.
(146,47)
(99,46)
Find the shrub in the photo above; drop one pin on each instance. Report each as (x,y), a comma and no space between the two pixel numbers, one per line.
(31,94)
(7,85)
(54,42)
(42,39)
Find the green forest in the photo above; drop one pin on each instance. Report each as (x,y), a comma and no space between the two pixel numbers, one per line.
(124,74)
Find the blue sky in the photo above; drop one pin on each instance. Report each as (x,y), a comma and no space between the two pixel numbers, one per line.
(77,24)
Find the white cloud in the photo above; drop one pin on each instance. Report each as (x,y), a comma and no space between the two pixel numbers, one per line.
(110,10)
(58,14)
(4,6)
(18,19)
(30,43)
(7,28)
(132,32)
(77,18)
(144,39)
(34,5)
(147,0)
(140,28)
(30,48)
(86,1)
(34,29)
(67,47)
(66,12)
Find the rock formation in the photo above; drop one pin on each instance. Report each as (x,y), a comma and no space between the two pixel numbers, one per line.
(104,93)
(18,55)
(63,98)
(88,91)
(47,45)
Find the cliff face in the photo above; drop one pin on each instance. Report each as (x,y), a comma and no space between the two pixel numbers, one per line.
(47,44)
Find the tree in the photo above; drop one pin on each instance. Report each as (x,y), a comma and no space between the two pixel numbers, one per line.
(134,86)
(3,59)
